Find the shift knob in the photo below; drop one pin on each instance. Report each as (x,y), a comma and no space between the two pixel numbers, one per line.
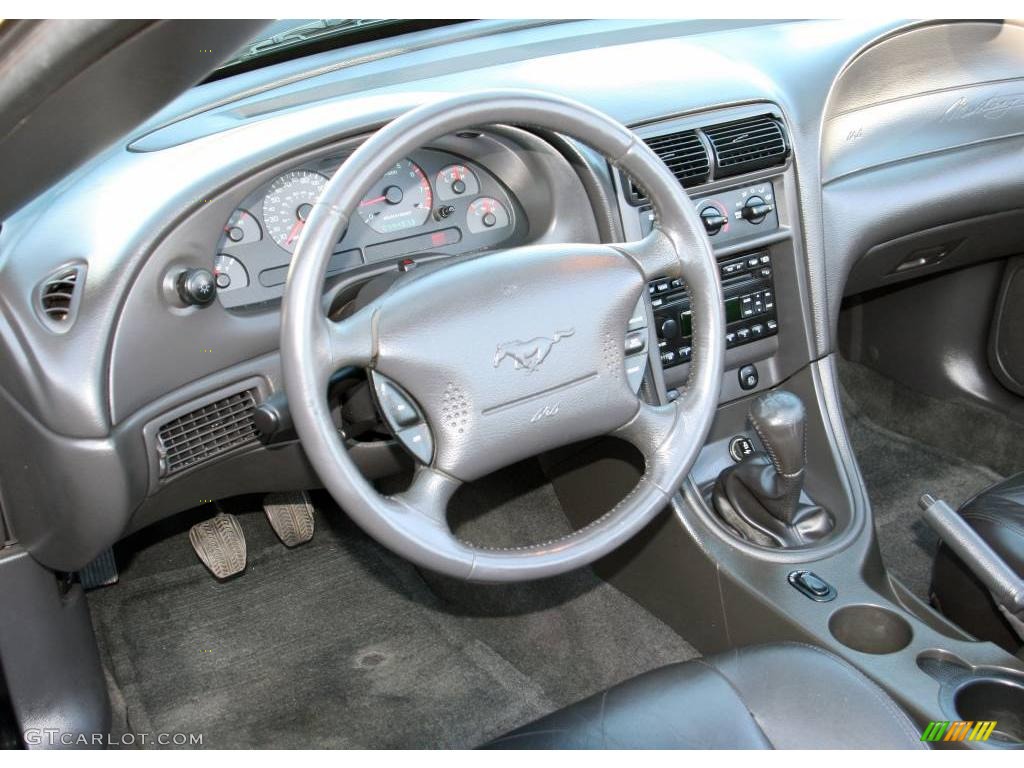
(779,418)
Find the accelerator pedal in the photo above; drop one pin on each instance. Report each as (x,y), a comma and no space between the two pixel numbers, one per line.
(291,516)
(220,544)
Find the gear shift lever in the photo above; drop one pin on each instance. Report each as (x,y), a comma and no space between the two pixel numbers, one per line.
(760,496)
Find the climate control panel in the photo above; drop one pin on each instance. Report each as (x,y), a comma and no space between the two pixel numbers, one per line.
(748,288)
(731,214)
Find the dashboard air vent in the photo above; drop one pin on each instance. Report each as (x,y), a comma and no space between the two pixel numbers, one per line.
(207,432)
(684,154)
(58,297)
(747,145)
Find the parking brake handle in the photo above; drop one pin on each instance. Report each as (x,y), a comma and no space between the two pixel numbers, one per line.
(1006,586)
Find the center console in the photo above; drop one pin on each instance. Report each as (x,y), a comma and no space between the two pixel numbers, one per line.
(772,534)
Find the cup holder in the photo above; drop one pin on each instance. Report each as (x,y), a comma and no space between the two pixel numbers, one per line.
(993,698)
(870,629)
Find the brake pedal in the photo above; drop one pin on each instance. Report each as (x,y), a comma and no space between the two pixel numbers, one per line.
(291,516)
(220,544)
(101,572)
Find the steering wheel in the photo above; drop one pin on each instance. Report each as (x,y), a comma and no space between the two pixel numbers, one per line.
(492,359)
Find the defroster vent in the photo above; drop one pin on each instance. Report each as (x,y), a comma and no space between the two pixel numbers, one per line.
(747,145)
(207,432)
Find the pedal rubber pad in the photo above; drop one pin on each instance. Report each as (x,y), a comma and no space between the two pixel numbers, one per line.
(291,516)
(101,572)
(220,544)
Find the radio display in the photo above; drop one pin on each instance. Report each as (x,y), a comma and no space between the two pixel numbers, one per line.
(732,310)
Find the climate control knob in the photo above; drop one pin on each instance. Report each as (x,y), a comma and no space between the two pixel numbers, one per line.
(756,209)
(713,220)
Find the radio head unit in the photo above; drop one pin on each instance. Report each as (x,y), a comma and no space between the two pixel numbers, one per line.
(749,292)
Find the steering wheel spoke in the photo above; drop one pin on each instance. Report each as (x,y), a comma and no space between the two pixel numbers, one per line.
(348,342)
(656,255)
(429,494)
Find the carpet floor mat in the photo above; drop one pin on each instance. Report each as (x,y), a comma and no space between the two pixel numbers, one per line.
(897,469)
(340,644)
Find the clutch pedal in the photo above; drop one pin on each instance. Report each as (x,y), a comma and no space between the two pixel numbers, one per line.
(220,544)
(291,516)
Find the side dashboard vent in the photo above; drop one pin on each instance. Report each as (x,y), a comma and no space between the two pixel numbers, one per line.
(207,432)
(747,145)
(58,296)
(684,154)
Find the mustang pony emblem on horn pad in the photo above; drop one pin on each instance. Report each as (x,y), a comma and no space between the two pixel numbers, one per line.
(529,354)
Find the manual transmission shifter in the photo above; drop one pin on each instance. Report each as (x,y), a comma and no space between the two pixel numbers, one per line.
(760,496)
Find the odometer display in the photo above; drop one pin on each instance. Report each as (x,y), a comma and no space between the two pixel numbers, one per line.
(401,200)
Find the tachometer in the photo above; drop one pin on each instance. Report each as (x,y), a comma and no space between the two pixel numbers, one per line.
(400,200)
(287,204)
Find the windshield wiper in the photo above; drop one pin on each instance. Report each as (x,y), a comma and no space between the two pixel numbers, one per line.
(316,29)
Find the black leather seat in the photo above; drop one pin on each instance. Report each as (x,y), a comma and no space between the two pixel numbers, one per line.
(997,515)
(787,696)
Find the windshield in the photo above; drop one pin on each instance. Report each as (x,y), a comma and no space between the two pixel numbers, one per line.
(288,38)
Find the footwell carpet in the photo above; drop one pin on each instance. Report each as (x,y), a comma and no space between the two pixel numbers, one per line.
(898,468)
(340,644)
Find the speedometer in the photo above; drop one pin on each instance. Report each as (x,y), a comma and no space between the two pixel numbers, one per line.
(400,200)
(287,204)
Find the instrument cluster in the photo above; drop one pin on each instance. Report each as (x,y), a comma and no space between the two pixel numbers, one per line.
(431,202)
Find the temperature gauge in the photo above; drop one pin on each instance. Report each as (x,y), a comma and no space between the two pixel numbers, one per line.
(486,213)
(242,228)
(456,181)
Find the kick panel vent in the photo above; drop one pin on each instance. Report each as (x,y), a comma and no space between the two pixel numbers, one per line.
(207,432)
(747,145)
(684,154)
(58,297)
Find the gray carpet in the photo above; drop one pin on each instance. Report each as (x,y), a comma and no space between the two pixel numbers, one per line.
(340,644)
(898,468)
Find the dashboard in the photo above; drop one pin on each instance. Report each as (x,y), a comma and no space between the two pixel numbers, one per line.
(432,202)
(101,353)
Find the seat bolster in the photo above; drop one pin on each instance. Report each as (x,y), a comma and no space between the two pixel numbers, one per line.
(790,696)
(681,706)
(997,514)
(803,697)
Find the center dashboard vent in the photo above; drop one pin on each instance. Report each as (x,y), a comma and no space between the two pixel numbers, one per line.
(747,145)
(207,432)
(684,154)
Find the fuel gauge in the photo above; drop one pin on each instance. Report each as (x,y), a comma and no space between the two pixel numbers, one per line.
(486,213)
(456,181)
(229,273)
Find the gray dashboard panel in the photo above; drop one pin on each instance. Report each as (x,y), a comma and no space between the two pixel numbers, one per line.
(135,214)
(924,129)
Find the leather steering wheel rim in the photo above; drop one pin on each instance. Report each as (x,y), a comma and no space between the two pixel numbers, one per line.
(442,350)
